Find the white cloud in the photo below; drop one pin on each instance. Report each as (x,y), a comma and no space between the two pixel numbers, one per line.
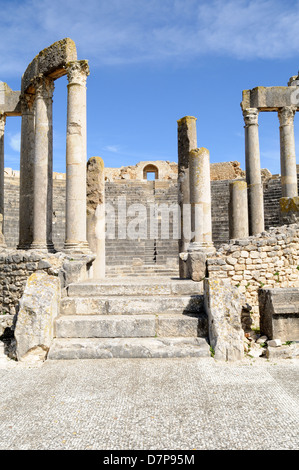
(112,148)
(15,141)
(133,31)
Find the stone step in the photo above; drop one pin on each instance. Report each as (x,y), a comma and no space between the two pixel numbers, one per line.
(130,326)
(106,348)
(131,305)
(131,287)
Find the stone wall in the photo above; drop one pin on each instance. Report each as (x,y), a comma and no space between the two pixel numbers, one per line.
(268,260)
(169,171)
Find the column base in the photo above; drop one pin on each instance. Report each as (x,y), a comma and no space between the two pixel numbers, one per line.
(79,248)
(204,247)
(36,246)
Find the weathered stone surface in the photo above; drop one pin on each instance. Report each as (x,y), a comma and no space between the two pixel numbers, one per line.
(279,313)
(39,306)
(106,326)
(105,348)
(223,304)
(196,265)
(50,61)
(9,100)
(131,305)
(182,325)
(95,192)
(268,98)
(289,210)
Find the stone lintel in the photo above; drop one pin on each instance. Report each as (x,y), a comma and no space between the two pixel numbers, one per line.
(270,98)
(50,62)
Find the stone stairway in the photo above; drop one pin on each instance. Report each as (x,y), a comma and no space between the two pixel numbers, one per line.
(127,318)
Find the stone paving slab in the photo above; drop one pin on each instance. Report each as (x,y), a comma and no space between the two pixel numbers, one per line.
(150,404)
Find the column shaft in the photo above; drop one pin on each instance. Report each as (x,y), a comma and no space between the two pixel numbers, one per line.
(2,130)
(76,156)
(289,186)
(238,210)
(187,140)
(253,172)
(43,166)
(200,199)
(26,172)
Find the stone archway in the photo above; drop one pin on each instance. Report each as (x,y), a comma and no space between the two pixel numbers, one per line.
(150,169)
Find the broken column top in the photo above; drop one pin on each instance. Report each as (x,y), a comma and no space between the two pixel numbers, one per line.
(9,101)
(50,62)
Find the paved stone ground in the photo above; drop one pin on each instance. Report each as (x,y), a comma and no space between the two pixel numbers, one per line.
(150,404)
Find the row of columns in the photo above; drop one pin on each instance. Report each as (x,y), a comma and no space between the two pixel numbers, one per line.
(36,165)
(252,162)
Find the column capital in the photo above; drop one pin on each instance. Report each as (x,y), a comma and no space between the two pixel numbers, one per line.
(2,122)
(44,87)
(27,102)
(286,115)
(251,116)
(77,72)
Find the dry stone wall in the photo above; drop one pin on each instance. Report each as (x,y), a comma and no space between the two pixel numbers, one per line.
(268,260)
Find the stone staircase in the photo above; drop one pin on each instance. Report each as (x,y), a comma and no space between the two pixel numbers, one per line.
(131,318)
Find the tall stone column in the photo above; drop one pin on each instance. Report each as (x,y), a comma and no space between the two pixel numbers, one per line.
(187,141)
(200,200)
(238,210)
(43,166)
(26,172)
(76,156)
(253,172)
(287,152)
(2,130)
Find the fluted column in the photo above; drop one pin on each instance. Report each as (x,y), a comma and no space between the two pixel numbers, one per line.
(76,156)
(287,152)
(253,172)
(43,166)
(26,172)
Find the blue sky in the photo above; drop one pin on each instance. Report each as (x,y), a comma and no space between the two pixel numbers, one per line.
(153,62)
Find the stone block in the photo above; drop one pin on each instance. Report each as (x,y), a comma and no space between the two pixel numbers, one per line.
(279,313)
(223,305)
(288,210)
(196,266)
(39,307)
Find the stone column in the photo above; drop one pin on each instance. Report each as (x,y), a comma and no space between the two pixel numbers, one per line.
(287,152)
(26,172)
(200,200)
(76,156)
(2,130)
(43,166)
(96,214)
(187,140)
(253,172)
(238,210)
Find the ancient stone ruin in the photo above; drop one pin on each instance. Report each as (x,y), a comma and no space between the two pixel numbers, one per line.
(158,259)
